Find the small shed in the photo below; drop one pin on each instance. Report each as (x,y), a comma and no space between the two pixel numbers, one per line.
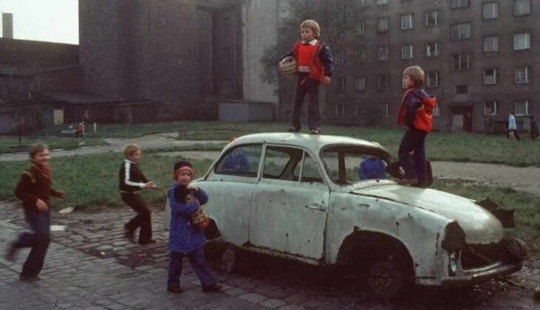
(245,111)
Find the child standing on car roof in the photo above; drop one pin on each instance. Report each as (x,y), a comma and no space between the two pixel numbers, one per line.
(415,114)
(314,61)
(185,238)
(35,191)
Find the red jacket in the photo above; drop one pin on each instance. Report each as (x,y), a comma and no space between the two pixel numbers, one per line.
(416,109)
(316,70)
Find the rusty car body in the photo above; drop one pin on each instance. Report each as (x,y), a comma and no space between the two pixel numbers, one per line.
(300,198)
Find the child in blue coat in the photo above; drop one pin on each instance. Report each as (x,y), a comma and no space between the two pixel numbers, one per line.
(184,237)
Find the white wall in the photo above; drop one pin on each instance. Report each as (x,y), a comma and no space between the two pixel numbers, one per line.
(260,24)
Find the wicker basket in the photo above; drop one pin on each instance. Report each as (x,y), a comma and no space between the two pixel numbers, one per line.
(288,66)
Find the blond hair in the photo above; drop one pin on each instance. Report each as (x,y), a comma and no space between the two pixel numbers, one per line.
(313,25)
(37,148)
(416,74)
(130,149)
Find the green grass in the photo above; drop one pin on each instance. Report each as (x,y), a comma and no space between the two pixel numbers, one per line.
(458,147)
(527,218)
(11,144)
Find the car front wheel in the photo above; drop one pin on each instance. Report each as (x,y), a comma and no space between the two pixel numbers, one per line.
(387,279)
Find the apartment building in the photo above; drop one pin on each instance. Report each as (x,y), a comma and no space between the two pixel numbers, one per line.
(480,57)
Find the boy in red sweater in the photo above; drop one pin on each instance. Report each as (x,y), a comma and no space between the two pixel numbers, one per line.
(314,61)
(415,114)
(35,191)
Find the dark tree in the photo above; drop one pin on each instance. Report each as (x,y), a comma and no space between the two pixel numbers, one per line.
(339,21)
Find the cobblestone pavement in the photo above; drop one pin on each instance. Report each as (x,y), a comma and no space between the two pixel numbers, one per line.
(90,266)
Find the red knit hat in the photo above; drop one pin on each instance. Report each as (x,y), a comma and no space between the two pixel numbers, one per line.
(183,165)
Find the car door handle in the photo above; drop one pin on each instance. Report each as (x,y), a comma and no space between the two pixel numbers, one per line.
(317,207)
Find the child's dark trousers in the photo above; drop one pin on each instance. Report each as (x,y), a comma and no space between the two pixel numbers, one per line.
(414,165)
(310,88)
(38,240)
(196,258)
(143,218)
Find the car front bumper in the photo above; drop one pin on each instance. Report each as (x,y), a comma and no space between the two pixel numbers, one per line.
(483,274)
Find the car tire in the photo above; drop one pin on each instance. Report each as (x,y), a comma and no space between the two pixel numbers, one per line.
(387,279)
(229,260)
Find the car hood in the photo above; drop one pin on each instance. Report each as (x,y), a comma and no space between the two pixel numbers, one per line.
(480,226)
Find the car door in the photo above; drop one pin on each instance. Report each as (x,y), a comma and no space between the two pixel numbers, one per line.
(289,205)
(229,187)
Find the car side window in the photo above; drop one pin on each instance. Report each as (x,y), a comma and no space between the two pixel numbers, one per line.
(275,163)
(241,161)
(309,171)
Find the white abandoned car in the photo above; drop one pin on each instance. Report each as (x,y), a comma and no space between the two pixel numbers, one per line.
(299,196)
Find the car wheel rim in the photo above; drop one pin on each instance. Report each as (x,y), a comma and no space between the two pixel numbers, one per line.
(385,280)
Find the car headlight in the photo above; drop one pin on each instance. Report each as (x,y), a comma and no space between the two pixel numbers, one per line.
(452,264)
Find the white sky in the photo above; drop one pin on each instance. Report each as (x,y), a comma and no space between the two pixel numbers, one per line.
(44,20)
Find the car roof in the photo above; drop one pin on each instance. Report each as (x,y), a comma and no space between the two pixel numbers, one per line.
(313,142)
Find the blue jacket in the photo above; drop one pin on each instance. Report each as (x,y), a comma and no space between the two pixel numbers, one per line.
(371,169)
(184,237)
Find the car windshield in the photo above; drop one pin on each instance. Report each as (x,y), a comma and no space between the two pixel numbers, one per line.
(352,164)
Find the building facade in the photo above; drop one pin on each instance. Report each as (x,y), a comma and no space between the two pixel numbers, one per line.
(479,58)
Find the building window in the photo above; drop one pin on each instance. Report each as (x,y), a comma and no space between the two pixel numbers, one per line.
(339,56)
(521,107)
(432,79)
(340,110)
(461,31)
(491,44)
(490,108)
(385,110)
(490,76)
(432,18)
(522,75)
(360,55)
(406,22)
(362,28)
(432,49)
(461,89)
(455,4)
(382,2)
(460,62)
(490,10)
(382,53)
(382,24)
(437,111)
(342,84)
(522,7)
(407,51)
(382,81)
(360,83)
(522,41)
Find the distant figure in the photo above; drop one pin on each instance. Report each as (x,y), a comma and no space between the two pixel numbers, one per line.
(512,127)
(79,131)
(371,168)
(534,128)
